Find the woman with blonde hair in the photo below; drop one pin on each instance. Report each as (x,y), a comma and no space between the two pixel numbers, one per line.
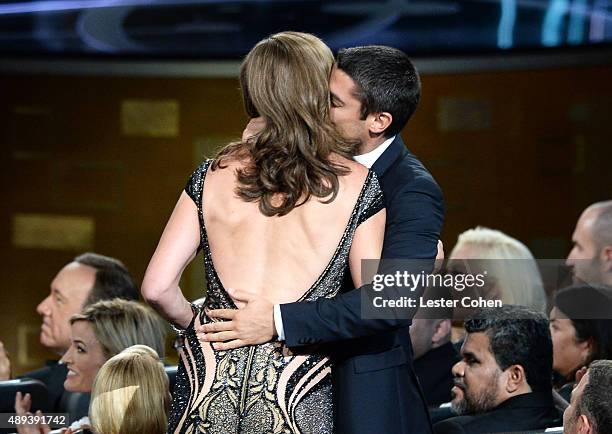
(285,213)
(510,267)
(130,394)
(99,332)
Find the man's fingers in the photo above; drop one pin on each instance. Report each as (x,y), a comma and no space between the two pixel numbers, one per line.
(212,327)
(218,337)
(222,313)
(224,346)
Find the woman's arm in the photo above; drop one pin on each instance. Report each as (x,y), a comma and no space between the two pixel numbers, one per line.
(367,244)
(176,249)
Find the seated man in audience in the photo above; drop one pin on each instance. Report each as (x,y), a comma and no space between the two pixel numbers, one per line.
(434,353)
(591,257)
(88,278)
(503,383)
(590,409)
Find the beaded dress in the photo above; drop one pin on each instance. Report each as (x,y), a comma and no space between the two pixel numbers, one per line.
(261,388)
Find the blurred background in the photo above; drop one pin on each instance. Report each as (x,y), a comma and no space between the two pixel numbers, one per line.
(106,107)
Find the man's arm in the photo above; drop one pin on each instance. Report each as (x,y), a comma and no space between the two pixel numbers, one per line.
(414,222)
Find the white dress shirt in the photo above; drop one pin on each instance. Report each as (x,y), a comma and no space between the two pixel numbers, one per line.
(368,159)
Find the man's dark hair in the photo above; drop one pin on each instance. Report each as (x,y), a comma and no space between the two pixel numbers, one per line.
(595,401)
(386,82)
(589,308)
(518,336)
(113,280)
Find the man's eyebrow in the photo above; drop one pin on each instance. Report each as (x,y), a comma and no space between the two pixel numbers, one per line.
(78,341)
(57,291)
(336,97)
(468,355)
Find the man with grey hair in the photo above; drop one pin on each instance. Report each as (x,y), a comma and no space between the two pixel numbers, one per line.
(591,256)
(90,277)
(590,409)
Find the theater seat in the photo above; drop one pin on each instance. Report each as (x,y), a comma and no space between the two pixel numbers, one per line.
(9,388)
(171,372)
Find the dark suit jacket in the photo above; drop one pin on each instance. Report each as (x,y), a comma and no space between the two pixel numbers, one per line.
(375,388)
(531,411)
(53,376)
(433,370)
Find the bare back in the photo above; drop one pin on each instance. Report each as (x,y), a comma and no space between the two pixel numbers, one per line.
(279,257)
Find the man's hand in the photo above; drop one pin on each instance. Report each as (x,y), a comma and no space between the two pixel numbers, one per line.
(5,364)
(439,257)
(252,324)
(253,128)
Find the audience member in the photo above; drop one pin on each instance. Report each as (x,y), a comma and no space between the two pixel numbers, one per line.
(503,383)
(101,331)
(511,272)
(581,329)
(88,278)
(434,353)
(130,394)
(434,357)
(591,256)
(590,409)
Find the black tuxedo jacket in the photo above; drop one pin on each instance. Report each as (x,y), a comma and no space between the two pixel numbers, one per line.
(528,412)
(375,388)
(433,370)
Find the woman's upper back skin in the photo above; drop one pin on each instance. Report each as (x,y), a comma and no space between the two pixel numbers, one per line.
(277,257)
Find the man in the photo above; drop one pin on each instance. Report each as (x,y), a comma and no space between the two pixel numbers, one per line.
(374,91)
(504,381)
(590,411)
(591,256)
(88,278)
(434,357)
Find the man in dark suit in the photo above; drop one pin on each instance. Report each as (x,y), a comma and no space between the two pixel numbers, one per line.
(374,91)
(434,357)
(504,382)
(90,277)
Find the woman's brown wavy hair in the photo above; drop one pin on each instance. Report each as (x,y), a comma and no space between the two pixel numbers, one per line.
(285,79)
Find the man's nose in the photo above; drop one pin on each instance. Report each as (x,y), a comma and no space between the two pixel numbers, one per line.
(43,306)
(458,369)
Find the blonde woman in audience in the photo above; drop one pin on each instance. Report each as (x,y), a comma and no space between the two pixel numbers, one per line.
(130,394)
(512,274)
(99,332)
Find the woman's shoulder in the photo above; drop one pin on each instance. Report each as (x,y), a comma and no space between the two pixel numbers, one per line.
(356,172)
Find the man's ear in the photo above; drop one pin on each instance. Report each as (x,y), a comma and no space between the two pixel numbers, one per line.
(442,333)
(584,425)
(516,379)
(606,257)
(379,122)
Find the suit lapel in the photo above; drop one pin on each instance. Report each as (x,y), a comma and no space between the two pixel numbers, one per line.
(390,156)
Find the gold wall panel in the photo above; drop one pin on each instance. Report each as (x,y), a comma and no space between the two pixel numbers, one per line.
(56,232)
(150,118)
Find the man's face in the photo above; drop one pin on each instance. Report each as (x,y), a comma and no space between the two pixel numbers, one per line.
(584,256)
(345,107)
(421,333)
(69,290)
(572,422)
(478,377)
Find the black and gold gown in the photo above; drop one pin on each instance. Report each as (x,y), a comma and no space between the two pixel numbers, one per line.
(260,388)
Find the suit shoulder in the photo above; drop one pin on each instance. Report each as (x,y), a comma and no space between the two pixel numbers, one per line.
(453,425)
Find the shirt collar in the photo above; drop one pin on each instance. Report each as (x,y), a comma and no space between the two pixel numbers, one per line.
(369,158)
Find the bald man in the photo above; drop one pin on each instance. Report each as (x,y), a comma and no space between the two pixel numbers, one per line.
(591,256)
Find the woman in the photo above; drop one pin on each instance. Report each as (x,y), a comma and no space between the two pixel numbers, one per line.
(581,330)
(101,331)
(130,394)
(510,270)
(283,214)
